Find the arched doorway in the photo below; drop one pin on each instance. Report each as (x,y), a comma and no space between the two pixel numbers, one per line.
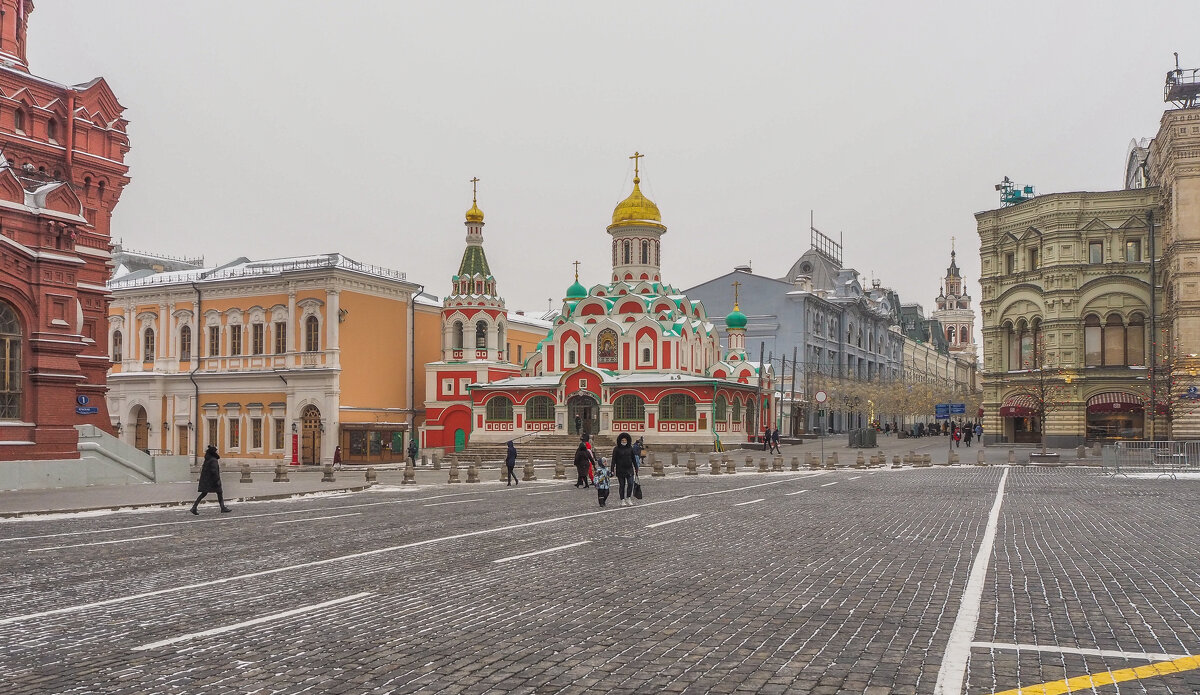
(460,439)
(141,429)
(586,408)
(310,435)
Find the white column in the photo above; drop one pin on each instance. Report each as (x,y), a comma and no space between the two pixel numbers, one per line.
(292,329)
(332,319)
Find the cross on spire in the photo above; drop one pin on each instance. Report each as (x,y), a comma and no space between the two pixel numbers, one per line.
(951,246)
(576,264)
(736,286)
(474,189)
(636,156)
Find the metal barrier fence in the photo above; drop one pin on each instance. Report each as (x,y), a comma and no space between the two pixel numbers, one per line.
(1161,457)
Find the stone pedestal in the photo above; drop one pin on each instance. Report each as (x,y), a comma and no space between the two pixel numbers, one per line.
(281,473)
(762,465)
(777,464)
(714,461)
(410,474)
(691,465)
(371,477)
(472,474)
(926,460)
(859,461)
(246,474)
(1081,452)
(981,459)
(895,460)
(813,462)
(528,475)
(658,469)
(795,463)
(1012,456)
(749,462)
(453,471)
(327,475)
(730,467)
(560,471)
(437,462)
(674,459)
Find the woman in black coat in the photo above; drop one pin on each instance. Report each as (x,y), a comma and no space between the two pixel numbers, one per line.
(210,479)
(622,465)
(583,463)
(510,460)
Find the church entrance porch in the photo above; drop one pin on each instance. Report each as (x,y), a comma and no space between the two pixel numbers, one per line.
(583,414)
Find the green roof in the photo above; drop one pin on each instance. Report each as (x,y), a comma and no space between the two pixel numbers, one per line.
(474,262)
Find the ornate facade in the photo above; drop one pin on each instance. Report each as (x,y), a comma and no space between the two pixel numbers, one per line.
(61,174)
(955,314)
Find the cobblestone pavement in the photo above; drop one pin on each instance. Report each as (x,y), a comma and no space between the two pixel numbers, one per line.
(813,582)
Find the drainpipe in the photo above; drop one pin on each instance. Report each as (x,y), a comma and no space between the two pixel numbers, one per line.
(198,339)
(412,368)
(1153,330)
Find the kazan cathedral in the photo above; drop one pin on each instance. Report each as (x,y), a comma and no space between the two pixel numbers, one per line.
(632,355)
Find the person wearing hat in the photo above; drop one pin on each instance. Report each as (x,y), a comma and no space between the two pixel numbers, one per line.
(210,479)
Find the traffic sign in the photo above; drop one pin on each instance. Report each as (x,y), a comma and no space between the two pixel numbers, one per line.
(958,408)
(822,396)
(942,411)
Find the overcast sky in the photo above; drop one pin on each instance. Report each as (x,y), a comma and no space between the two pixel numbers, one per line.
(274,128)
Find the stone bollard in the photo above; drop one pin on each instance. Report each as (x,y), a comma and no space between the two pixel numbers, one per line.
(859,461)
(1097,451)
(777,464)
(953,459)
(813,462)
(1081,451)
(371,477)
(281,473)
(410,474)
(691,465)
(529,474)
(658,470)
(1012,456)
(980,458)
(424,460)
(762,465)
(472,473)
(749,462)
(926,460)
(895,460)
(674,459)
(327,474)
(795,463)
(560,471)
(246,474)
(730,466)
(453,478)
(714,460)
(437,462)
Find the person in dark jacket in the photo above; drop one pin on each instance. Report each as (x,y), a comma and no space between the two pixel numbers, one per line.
(412,450)
(510,461)
(638,447)
(775,440)
(622,465)
(602,481)
(583,463)
(210,479)
(968,433)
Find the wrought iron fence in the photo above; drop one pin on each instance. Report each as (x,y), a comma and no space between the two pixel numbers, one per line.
(1164,458)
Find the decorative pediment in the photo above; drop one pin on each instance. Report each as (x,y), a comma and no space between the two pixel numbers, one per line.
(60,199)
(11,189)
(1096,225)
(1031,233)
(1134,222)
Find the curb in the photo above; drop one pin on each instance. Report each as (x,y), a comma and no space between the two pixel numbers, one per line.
(168,505)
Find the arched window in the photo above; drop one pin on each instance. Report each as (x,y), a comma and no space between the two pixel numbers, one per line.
(457,337)
(185,343)
(1114,341)
(499,409)
(500,338)
(52,129)
(100,190)
(736,411)
(950,334)
(539,409)
(19,120)
(645,252)
(117,345)
(962,336)
(1028,348)
(1135,341)
(1093,355)
(148,345)
(10,363)
(677,407)
(629,408)
(628,252)
(606,347)
(312,334)
(645,355)
(719,409)
(480,335)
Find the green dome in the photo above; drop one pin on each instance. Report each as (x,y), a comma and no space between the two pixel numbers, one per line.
(735,319)
(576,291)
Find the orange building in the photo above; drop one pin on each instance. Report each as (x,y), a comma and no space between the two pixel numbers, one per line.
(61,174)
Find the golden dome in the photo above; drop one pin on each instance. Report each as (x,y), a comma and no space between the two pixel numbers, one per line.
(636,208)
(474,214)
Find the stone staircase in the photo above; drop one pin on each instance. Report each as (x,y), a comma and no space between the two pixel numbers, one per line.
(542,447)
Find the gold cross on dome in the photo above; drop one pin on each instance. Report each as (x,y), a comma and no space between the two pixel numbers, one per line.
(576,264)
(636,156)
(474,190)
(736,286)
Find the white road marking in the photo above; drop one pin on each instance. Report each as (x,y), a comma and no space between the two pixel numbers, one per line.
(958,649)
(354,556)
(794,493)
(318,518)
(81,545)
(671,521)
(438,504)
(248,623)
(856,477)
(541,552)
(1114,653)
(828,484)
(548,492)
(742,504)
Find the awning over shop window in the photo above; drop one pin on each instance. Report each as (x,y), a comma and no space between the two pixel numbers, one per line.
(1114,402)
(1020,405)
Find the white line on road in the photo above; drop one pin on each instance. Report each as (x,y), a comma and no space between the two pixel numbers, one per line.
(366,553)
(856,477)
(438,504)
(541,552)
(958,649)
(795,493)
(248,623)
(548,492)
(742,504)
(671,521)
(1050,649)
(828,484)
(318,518)
(81,545)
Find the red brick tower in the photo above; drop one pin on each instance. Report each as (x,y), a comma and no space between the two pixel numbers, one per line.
(62,151)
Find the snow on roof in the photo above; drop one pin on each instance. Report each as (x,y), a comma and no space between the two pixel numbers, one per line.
(520,382)
(243,268)
(528,320)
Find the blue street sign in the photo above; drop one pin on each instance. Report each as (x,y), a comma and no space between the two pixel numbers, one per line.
(86,410)
(82,399)
(942,411)
(958,408)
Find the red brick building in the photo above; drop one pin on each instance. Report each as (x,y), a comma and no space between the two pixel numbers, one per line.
(62,151)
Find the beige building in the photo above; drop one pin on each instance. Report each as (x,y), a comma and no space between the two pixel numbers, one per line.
(1075,341)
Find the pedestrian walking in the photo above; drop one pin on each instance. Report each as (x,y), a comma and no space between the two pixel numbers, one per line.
(775,440)
(337,457)
(510,462)
(412,450)
(957,436)
(622,465)
(967,434)
(603,478)
(210,479)
(583,463)
(638,447)
(578,424)
(979,433)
